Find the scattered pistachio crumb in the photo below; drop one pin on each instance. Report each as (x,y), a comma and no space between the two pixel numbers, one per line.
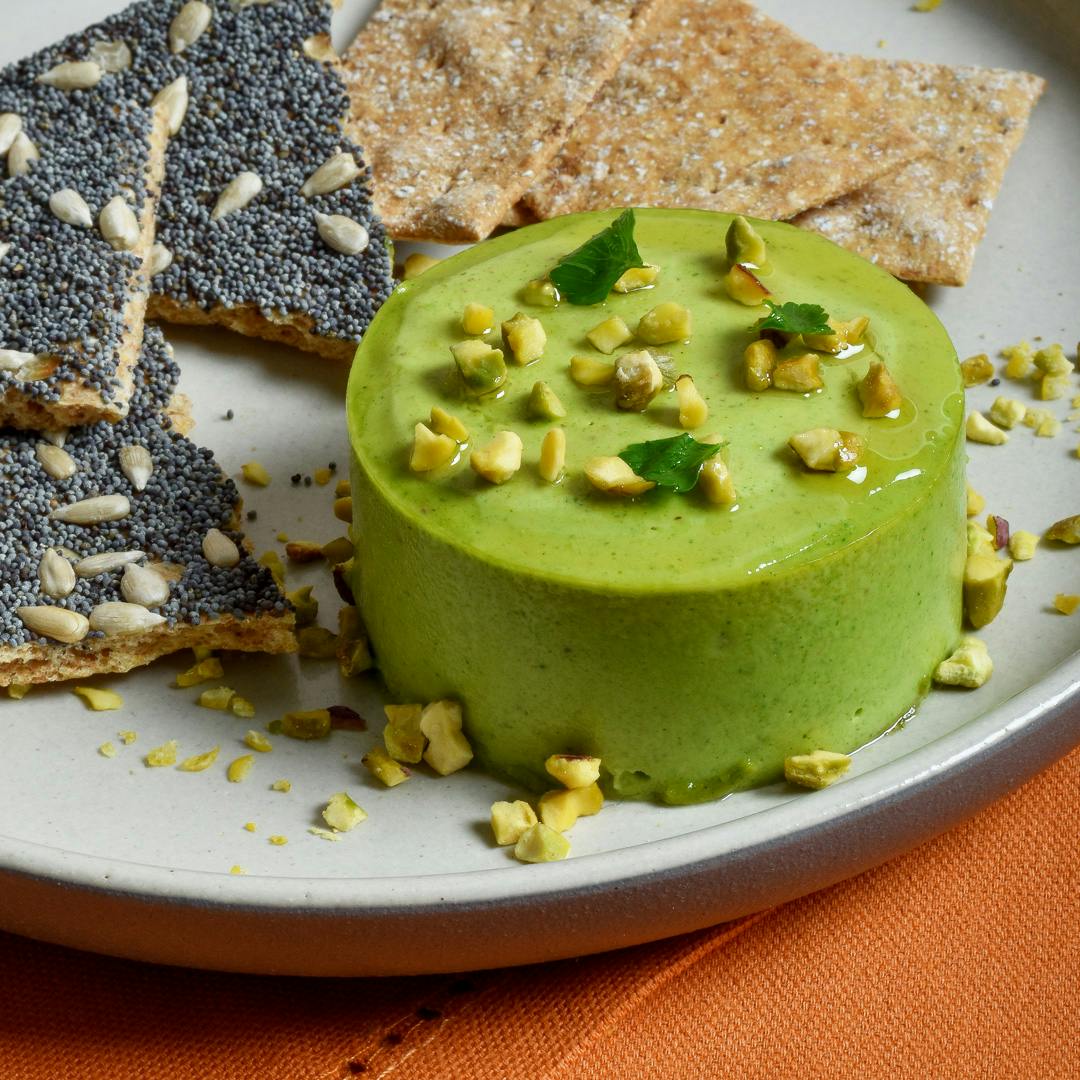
(281,785)
(975,502)
(316,643)
(509,820)
(282,537)
(342,813)
(976,369)
(322,476)
(1021,360)
(969,665)
(217,697)
(980,430)
(477,318)
(106,749)
(1067,603)
(278,841)
(162,755)
(338,550)
(1022,545)
(17,691)
(816,770)
(255,473)
(203,671)
(384,768)
(303,551)
(416,264)
(241,707)
(199,762)
(1065,531)
(270,560)
(324,834)
(540,843)
(926,5)
(309,724)
(126,737)
(561,808)
(239,769)
(97,699)
(448,749)
(238,871)
(249,826)
(256,740)
(1007,412)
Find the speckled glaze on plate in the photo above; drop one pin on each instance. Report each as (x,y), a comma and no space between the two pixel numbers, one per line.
(111,856)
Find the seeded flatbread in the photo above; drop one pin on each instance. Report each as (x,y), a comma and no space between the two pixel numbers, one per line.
(924,221)
(264,96)
(459,106)
(722,108)
(186,495)
(71,307)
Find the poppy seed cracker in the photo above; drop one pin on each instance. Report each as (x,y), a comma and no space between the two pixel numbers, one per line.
(459,106)
(923,222)
(131,492)
(720,107)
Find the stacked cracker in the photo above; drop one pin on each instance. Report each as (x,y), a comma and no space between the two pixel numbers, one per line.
(714,105)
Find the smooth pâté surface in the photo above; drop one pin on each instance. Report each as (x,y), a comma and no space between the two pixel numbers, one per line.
(692,647)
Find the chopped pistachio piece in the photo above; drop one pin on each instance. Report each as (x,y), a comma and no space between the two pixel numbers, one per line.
(544,403)
(715,480)
(203,671)
(402,737)
(448,750)
(384,768)
(638,379)
(979,540)
(303,551)
(540,292)
(969,665)
(281,785)
(239,769)
(878,391)
(499,460)
(270,560)
(553,456)
(1021,360)
(257,741)
(744,286)
(430,451)
(216,698)
(586,371)
(477,319)
(524,337)
(976,369)
(801,374)
(322,476)
(816,770)
(1067,603)
(759,362)
(255,473)
(353,650)
(304,604)
(984,587)
(126,737)
(830,343)
(560,809)
(1054,387)
(609,335)
(510,820)
(107,750)
(17,691)
(573,770)
(1022,545)
(693,409)
(540,844)
(975,502)
(342,488)
(316,643)
(199,762)
(162,755)
(1065,531)
(1044,423)
(637,277)
(338,550)
(241,707)
(828,450)
(443,423)
(97,699)
(980,430)
(482,367)
(1052,361)
(1007,412)
(309,724)
(613,475)
(853,331)
(744,243)
(998,528)
(665,322)
(416,264)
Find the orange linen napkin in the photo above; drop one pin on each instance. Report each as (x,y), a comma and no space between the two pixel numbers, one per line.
(960,959)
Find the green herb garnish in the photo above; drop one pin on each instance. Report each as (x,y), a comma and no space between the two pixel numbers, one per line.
(586,275)
(795,319)
(671,463)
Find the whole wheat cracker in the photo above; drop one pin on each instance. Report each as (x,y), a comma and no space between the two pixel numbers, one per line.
(720,107)
(459,106)
(186,495)
(924,222)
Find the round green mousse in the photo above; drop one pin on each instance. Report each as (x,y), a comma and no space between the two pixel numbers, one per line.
(690,646)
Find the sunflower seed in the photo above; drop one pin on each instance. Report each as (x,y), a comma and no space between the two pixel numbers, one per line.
(56,575)
(141,585)
(116,617)
(111,56)
(239,191)
(159,260)
(342,233)
(13,360)
(93,511)
(10,126)
(59,464)
(334,173)
(118,224)
(174,100)
(21,154)
(239,5)
(219,549)
(54,622)
(71,556)
(56,436)
(70,207)
(188,26)
(106,562)
(72,75)
(136,464)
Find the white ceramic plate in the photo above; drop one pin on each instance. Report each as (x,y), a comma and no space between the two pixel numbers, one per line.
(111,856)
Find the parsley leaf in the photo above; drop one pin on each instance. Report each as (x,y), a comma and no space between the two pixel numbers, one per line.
(672,463)
(795,319)
(586,275)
